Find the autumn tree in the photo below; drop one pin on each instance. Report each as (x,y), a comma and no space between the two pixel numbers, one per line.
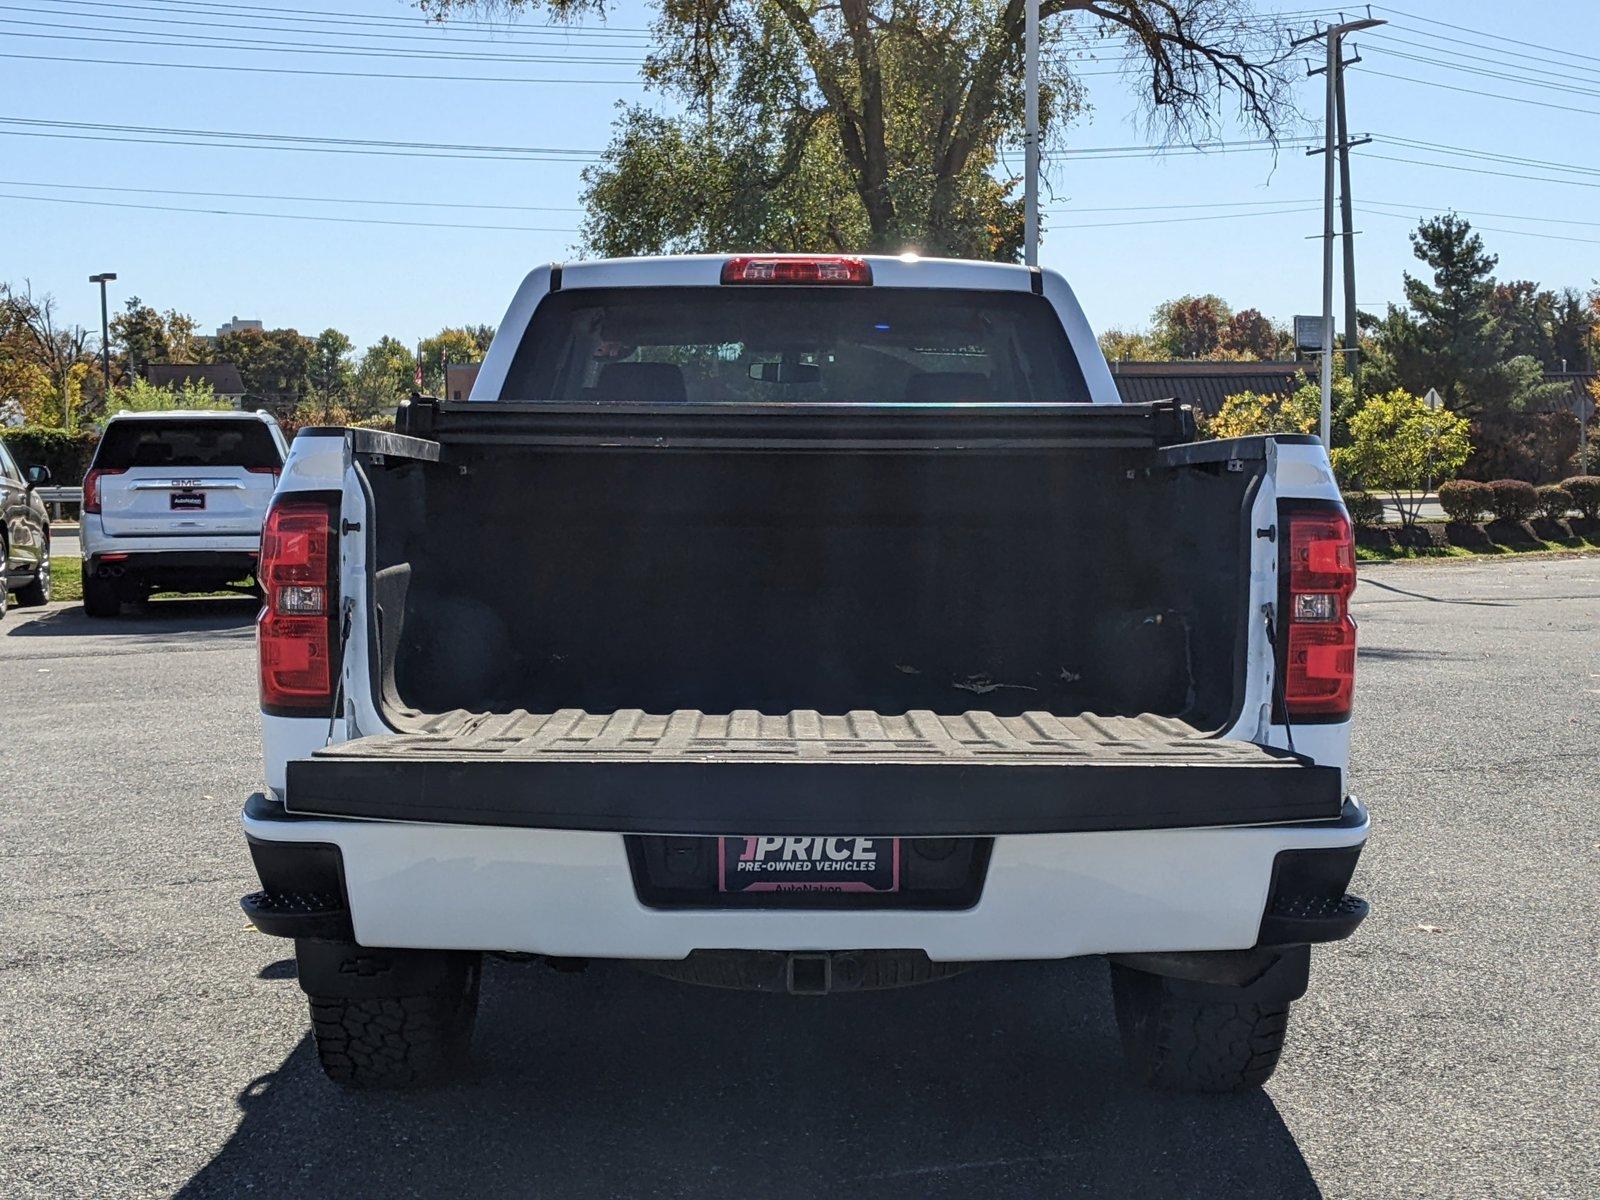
(882,124)
(1190,326)
(141,335)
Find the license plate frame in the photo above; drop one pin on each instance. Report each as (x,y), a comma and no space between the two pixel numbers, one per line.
(186,500)
(757,864)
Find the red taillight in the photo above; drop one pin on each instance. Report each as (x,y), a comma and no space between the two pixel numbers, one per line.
(91,487)
(299,574)
(1319,674)
(809,268)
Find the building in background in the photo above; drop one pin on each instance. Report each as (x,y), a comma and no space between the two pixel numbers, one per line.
(458,380)
(1206,383)
(223,378)
(237,326)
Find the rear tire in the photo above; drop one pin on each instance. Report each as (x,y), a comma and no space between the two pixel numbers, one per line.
(399,1041)
(1174,1043)
(100,598)
(38,591)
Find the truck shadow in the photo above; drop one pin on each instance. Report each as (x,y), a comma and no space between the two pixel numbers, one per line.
(1003,1082)
(155,619)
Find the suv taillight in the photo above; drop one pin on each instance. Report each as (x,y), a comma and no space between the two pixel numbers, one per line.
(91,487)
(1319,642)
(296,631)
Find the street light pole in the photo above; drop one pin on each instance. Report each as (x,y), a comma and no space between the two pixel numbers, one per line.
(1030,147)
(102,279)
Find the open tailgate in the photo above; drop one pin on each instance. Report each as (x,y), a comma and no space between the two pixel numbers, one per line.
(916,775)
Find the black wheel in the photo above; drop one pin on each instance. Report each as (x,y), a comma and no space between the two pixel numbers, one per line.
(100,598)
(38,591)
(399,1041)
(1175,1043)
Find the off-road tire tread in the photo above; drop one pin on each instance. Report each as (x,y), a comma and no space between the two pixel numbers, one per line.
(402,1041)
(1178,1044)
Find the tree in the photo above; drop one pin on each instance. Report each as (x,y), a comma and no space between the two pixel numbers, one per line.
(1250,335)
(1190,326)
(331,377)
(140,395)
(275,364)
(878,124)
(31,334)
(144,336)
(1398,445)
(448,345)
(1248,413)
(1455,335)
(1552,327)
(1129,345)
(384,377)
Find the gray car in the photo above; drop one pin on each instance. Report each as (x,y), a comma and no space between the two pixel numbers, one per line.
(25,539)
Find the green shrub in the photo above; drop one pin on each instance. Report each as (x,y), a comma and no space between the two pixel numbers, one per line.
(66,454)
(1513,499)
(1554,501)
(1465,500)
(1366,510)
(1585,493)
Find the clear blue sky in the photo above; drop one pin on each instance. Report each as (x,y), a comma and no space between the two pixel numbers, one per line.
(370,279)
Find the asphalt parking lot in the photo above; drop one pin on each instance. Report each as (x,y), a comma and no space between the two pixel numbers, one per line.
(152,1044)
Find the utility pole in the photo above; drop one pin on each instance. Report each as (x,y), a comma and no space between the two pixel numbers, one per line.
(1352,335)
(1334,140)
(1030,148)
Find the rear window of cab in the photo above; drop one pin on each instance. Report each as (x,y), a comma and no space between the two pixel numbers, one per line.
(784,345)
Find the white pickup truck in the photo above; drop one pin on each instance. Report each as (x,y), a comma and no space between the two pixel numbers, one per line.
(806,623)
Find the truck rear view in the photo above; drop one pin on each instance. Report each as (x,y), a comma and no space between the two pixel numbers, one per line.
(807,624)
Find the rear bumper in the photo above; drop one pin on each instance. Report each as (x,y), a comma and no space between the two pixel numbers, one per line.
(571,893)
(147,562)
(97,543)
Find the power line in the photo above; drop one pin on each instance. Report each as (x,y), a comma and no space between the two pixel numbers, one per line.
(559,35)
(1486,155)
(1417,162)
(238,45)
(1497,55)
(172,66)
(1484,33)
(327,16)
(1550,237)
(1486,74)
(383,202)
(1467,212)
(1292,212)
(1479,93)
(295,137)
(228,212)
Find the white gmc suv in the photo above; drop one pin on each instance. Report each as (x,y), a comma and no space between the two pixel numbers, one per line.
(845,632)
(174,501)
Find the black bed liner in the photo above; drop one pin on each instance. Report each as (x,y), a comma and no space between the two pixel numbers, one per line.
(862,773)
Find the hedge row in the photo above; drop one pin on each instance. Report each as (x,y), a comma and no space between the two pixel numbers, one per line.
(1515,500)
(66,454)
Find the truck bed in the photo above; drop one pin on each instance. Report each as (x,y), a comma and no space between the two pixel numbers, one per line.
(805,773)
